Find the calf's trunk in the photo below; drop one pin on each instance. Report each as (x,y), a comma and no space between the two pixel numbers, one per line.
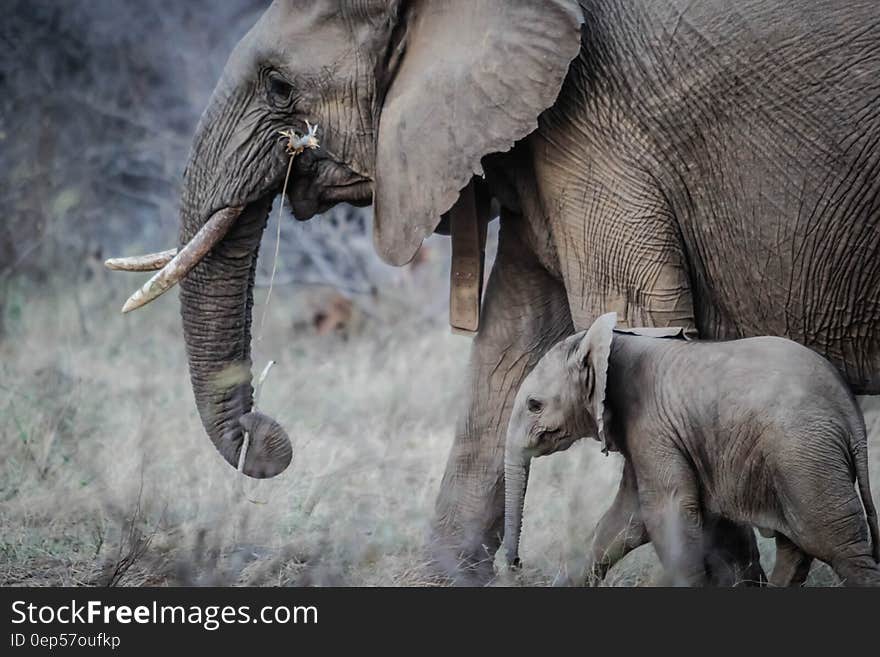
(516,476)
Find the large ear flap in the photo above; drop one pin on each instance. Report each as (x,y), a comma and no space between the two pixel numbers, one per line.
(592,354)
(473,78)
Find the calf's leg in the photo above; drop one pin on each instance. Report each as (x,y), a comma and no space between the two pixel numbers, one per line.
(792,564)
(826,519)
(732,555)
(620,530)
(671,509)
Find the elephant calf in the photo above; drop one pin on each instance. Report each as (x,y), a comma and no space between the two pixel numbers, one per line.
(760,431)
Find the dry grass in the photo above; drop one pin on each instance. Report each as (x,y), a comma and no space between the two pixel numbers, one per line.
(107,477)
(106,461)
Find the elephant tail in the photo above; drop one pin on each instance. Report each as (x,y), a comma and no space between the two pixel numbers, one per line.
(860,454)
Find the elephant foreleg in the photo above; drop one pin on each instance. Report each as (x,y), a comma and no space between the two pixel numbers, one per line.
(619,532)
(670,503)
(525,313)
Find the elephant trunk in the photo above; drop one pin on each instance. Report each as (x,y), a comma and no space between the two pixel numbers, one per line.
(516,477)
(216,299)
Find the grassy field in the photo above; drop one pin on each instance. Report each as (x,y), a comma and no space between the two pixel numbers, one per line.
(108,478)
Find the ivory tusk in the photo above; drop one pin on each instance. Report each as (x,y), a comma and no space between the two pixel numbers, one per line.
(187,258)
(146,262)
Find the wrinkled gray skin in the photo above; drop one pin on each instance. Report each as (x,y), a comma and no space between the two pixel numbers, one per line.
(709,164)
(760,431)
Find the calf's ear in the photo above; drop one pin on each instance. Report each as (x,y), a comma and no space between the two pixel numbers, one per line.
(592,354)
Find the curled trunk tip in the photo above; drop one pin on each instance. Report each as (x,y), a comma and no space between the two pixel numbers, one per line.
(269,450)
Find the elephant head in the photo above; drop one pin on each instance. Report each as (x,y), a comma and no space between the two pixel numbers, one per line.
(410,95)
(559,402)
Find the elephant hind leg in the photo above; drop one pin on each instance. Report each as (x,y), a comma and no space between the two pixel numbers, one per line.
(792,564)
(829,524)
(857,570)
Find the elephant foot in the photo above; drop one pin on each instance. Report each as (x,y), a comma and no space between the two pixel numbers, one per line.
(461,564)
(733,558)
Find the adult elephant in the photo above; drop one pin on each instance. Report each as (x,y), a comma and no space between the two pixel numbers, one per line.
(710,164)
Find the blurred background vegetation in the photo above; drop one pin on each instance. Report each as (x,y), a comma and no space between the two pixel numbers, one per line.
(100,101)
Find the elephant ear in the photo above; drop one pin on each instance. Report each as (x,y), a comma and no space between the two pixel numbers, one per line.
(592,356)
(472,80)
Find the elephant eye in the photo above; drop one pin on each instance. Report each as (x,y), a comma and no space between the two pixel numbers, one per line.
(534,405)
(280,90)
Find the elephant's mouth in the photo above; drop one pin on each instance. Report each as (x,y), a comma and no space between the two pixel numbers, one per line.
(305,206)
(554,440)
(565,442)
(321,183)
(357,192)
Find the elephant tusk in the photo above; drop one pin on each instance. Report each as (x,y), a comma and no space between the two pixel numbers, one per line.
(185,259)
(146,262)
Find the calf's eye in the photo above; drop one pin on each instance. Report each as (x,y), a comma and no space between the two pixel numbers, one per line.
(534,405)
